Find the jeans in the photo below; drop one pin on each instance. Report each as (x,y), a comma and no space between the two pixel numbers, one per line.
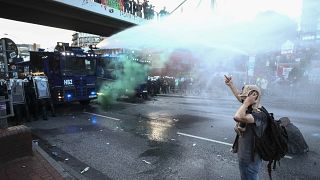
(250,170)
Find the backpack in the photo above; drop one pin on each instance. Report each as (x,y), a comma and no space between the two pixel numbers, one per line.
(273,144)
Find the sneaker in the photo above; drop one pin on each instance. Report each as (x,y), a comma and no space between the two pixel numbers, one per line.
(233,150)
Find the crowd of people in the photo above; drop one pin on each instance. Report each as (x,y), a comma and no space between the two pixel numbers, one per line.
(169,85)
(160,85)
(181,85)
(142,9)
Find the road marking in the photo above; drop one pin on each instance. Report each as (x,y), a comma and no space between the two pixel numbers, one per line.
(212,140)
(206,139)
(132,104)
(213,114)
(289,157)
(116,119)
(221,115)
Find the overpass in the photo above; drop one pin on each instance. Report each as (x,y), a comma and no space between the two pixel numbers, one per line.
(77,15)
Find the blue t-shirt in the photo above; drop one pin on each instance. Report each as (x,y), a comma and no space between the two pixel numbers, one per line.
(245,142)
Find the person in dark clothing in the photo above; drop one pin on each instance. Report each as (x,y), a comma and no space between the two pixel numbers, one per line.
(131,3)
(126,6)
(134,7)
(139,9)
(45,104)
(31,98)
(163,12)
(39,101)
(296,142)
(145,6)
(19,103)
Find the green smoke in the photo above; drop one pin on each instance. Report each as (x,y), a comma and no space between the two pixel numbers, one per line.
(129,75)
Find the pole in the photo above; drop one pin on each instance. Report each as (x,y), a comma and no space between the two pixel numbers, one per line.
(3,119)
(179,6)
(5,58)
(212,4)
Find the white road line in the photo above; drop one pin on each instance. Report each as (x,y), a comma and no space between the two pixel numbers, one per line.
(289,157)
(129,104)
(202,138)
(116,119)
(212,140)
(221,115)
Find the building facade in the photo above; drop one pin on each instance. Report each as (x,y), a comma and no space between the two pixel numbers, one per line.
(310,21)
(23,50)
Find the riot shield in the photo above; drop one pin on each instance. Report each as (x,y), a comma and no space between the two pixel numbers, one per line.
(42,87)
(17,90)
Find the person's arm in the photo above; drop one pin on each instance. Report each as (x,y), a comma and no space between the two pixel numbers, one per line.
(229,82)
(241,115)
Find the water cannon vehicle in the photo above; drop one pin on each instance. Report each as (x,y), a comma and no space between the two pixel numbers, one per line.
(70,70)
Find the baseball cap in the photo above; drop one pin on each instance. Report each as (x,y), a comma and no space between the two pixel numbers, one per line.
(248,88)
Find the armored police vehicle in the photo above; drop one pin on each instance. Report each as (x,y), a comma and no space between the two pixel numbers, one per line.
(70,70)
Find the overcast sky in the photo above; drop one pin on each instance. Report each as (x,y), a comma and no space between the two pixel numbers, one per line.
(47,37)
(26,33)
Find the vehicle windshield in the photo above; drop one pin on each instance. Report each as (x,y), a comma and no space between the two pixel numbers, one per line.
(107,67)
(79,66)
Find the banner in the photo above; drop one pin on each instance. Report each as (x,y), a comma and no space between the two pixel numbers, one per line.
(114,4)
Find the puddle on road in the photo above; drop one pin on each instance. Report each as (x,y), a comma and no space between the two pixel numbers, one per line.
(161,152)
(160,127)
(187,120)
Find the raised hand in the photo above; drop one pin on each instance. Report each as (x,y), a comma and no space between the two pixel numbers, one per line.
(228,80)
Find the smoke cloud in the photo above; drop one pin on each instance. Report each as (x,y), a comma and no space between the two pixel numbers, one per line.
(129,75)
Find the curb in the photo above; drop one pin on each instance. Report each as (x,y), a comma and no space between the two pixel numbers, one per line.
(53,163)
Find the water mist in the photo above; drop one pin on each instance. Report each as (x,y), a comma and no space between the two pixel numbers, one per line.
(220,44)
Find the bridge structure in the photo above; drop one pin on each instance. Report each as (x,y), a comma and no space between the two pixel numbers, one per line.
(77,15)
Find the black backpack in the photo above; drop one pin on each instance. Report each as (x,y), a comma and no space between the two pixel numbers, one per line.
(273,144)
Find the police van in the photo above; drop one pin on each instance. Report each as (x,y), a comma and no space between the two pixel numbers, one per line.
(70,70)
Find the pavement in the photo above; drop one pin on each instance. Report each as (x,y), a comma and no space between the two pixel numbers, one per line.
(40,166)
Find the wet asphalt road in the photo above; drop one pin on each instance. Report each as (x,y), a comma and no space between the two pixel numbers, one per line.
(165,138)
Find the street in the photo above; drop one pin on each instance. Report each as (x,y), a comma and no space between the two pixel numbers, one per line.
(167,137)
